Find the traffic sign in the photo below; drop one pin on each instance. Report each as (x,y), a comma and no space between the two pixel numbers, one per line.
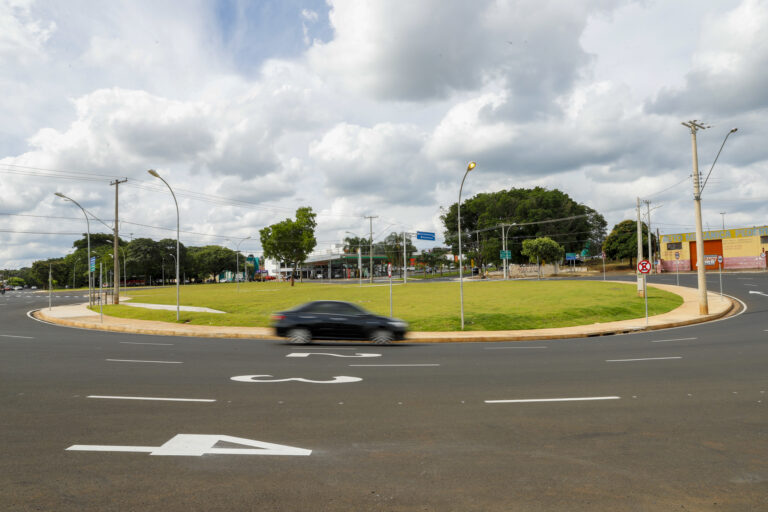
(425,235)
(389,270)
(505,254)
(677,255)
(719,259)
(644,266)
(93,263)
(603,254)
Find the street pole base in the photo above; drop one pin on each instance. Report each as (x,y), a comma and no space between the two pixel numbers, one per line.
(640,294)
(703,309)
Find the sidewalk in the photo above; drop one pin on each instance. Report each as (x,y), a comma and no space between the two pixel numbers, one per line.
(80,316)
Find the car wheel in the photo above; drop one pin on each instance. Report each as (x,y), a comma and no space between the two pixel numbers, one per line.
(382,337)
(300,336)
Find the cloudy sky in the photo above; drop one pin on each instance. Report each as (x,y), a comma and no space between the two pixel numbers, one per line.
(250,109)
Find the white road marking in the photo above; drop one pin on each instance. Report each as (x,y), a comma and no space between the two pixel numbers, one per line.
(508,348)
(380,365)
(678,339)
(140,343)
(137,361)
(307,354)
(531,400)
(643,359)
(341,379)
(325,348)
(153,398)
(749,284)
(757,293)
(12,336)
(195,445)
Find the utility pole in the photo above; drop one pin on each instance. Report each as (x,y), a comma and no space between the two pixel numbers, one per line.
(701,267)
(405,265)
(722,214)
(370,254)
(115,261)
(640,277)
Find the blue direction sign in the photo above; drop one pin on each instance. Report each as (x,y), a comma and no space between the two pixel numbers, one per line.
(425,235)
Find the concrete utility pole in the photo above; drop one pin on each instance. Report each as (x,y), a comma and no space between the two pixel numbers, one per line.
(701,266)
(640,277)
(722,214)
(115,244)
(370,254)
(405,265)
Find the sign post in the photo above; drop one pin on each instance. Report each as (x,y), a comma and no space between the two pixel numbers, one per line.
(720,265)
(389,273)
(644,267)
(603,265)
(677,267)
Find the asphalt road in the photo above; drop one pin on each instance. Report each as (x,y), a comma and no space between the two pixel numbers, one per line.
(671,420)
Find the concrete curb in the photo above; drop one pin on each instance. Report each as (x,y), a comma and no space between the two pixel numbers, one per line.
(114,324)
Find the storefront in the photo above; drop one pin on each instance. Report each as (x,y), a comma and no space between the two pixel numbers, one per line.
(738,248)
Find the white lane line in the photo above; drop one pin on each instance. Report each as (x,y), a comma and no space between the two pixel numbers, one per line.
(748,284)
(153,398)
(643,359)
(12,336)
(140,343)
(430,364)
(678,339)
(531,400)
(328,347)
(137,361)
(510,348)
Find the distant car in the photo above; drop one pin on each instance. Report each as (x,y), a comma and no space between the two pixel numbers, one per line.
(33,287)
(18,287)
(330,319)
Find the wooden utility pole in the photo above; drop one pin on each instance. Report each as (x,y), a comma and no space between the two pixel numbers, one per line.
(115,246)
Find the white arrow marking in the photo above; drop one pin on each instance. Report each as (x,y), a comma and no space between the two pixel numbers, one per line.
(195,445)
(757,293)
(341,379)
(307,354)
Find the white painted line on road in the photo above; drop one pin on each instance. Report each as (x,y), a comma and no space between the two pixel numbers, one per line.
(749,284)
(531,400)
(137,361)
(678,339)
(12,336)
(153,398)
(140,343)
(329,347)
(509,348)
(430,364)
(307,354)
(643,359)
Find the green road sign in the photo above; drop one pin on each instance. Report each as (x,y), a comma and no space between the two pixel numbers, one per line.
(505,254)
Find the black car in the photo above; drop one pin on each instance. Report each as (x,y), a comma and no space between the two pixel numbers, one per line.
(331,319)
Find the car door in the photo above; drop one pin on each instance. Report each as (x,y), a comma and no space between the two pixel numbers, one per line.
(344,320)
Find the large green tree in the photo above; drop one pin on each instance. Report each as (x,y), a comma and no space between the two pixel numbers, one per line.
(582,228)
(621,243)
(542,250)
(290,241)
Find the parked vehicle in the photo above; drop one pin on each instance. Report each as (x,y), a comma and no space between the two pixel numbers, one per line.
(330,319)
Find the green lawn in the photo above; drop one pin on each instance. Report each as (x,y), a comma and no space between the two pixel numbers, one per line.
(488,305)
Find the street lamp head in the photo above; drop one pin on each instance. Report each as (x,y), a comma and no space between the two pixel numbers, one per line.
(60,195)
(153,173)
(733,130)
(471,166)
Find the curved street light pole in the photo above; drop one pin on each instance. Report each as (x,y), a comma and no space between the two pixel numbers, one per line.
(237,250)
(471,166)
(88,226)
(154,173)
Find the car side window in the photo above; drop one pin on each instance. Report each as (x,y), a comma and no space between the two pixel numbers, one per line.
(320,307)
(345,309)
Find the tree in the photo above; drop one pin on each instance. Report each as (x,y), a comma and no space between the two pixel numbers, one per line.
(542,249)
(481,214)
(622,242)
(211,260)
(290,241)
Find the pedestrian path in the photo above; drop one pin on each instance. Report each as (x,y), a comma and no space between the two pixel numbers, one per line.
(687,314)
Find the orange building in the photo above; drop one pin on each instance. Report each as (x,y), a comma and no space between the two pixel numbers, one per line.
(740,249)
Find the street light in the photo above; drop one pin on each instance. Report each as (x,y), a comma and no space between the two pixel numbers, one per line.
(154,173)
(694,126)
(471,166)
(88,225)
(237,259)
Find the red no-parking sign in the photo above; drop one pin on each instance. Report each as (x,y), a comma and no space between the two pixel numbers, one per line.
(644,266)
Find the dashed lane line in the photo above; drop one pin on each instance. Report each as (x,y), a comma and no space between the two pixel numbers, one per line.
(512,348)
(677,339)
(139,361)
(641,359)
(140,343)
(392,365)
(153,398)
(12,336)
(533,400)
